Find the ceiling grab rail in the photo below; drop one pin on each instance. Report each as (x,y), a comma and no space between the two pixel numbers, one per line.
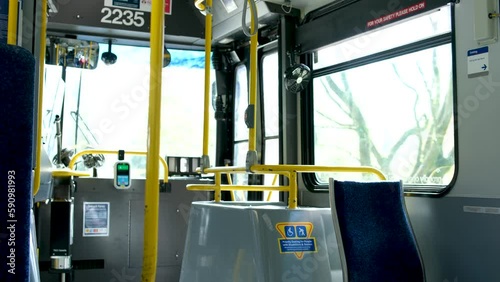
(111,152)
(41,76)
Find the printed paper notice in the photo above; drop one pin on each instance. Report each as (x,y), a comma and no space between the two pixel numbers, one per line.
(140,5)
(95,219)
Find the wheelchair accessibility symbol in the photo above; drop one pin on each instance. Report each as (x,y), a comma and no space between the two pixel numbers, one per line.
(296,238)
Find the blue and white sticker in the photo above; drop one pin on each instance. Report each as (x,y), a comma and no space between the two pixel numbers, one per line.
(296,238)
(478,62)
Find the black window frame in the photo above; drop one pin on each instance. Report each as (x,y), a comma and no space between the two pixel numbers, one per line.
(307,104)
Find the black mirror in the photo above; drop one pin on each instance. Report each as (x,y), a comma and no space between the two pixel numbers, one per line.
(109,58)
(73,53)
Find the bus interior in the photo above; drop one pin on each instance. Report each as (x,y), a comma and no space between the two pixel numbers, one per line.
(241,140)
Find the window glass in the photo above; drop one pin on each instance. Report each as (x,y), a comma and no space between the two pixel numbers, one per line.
(107,108)
(240,154)
(271,91)
(392,114)
(54,87)
(385,38)
(241,104)
(240,128)
(395,115)
(271,157)
(271,118)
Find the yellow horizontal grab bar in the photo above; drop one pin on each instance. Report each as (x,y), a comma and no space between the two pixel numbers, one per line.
(284,169)
(227,187)
(226,170)
(68,173)
(315,168)
(110,152)
(288,170)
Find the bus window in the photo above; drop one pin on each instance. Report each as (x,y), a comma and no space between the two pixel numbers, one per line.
(271,117)
(240,129)
(392,107)
(400,34)
(52,105)
(107,108)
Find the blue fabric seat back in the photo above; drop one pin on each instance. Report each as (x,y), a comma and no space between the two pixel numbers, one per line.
(17,77)
(376,241)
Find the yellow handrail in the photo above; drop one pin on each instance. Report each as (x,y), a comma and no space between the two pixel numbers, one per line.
(290,171)
(252,136)
(218,188)
(41,76)
(230,182)
(110,152)
(228,187)
(151,196)
(271,192)
(12,22)
(318,168)
(208,53)
(68,173)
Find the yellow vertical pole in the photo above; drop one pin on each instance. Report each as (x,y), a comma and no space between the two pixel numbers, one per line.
(41,71)
(253,80)
(208,52)
(252,157)
(292,197)
(151,197)
(12,22)
(217,190)
(230,182)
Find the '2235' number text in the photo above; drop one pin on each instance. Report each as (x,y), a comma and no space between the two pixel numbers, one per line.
(122,17)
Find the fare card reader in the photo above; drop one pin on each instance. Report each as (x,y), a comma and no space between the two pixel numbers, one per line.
(122,175)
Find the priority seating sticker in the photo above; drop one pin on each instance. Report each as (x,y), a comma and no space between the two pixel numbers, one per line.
(296,238)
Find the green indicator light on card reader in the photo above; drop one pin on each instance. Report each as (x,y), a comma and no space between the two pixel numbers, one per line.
(122,175)
(123,166)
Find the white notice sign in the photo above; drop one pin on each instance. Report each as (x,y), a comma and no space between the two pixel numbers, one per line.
(141,5)
(477,62)
(95,219)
